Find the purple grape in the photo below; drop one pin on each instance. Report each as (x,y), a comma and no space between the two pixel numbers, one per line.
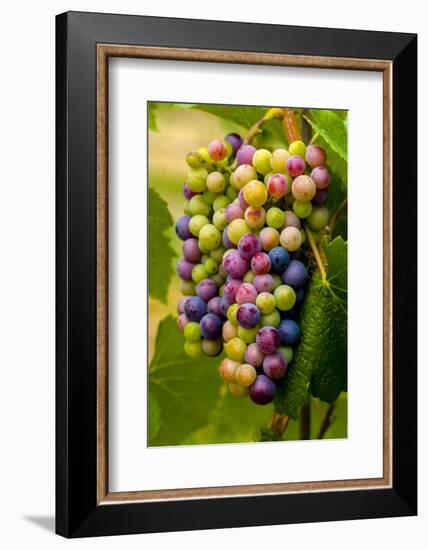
(211,326)
(195,308)
(268,339)
(224,305)
(321,177)
(248,315)
(226,241)
(275,365)
(244,204)
(254,356)
(264,283)
(235,265)
(289,332)
(245,154)
(206,289)
(187,192)
(214,306)
(235,141)
(280,259)
(234,211)
(182,228)
(230,289)
(180,305)
(191,250)
(300,294)
(295,275)
(249,245)
(184,269)
(263,390)
(320,198)
(260,263)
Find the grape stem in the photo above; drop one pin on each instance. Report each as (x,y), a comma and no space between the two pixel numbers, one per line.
(274,112)
(314,137)
(316,252)
(279,423)
(327,420)
(336,215)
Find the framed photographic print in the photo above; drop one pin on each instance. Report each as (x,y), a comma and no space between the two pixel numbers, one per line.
(236,274)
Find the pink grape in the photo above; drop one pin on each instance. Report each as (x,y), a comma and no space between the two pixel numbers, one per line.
(191,250)
(214,306)
(230,288)
(246,293)
(263,283)
(260,263)
(315,156)
(244,204)
(254,356)
(277,186)
(295,165)
(217,150)
(184,269)
(234,211)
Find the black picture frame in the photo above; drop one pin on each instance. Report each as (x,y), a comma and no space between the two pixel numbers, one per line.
(78,513)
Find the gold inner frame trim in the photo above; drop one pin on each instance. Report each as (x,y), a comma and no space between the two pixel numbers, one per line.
(104,51)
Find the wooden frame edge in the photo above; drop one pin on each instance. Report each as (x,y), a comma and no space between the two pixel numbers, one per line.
(104,51)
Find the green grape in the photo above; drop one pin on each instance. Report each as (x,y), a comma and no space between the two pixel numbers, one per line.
(265,301)
(210,237)
(245,375)
(287,352)
(277,281)
(221,202)
(203,151)
(192,332)
(197,179)
(291,239)
(243,174)
(212,347)
(302,209)
(267,176)
(199,273)
(237,228)
(196,223)
(261,161)
(217,278)
(255,193)
(211,266)
(275,217)
(186,208)
(271,319)
(232,312)
(318,218)
(187,288)
(248,277)
(193,349)
(235,349)
(219,219)
(231,193)
(209,196)
(285,297)
(216,182)
(194,160)
(217,254)
(297,148)
(278,160)
(198,205)
(248,335)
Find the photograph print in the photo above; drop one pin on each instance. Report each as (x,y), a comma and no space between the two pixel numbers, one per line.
(247,273)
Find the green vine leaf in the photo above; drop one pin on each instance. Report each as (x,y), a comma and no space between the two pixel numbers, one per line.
(186,390)
(161,252)
(320,361)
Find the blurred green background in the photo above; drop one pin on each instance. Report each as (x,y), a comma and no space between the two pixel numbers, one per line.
(188,402)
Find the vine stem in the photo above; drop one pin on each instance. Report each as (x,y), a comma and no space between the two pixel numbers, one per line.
(274,112)
(314,137)
(336,215)
(291,128)
(327,420)
(316,252)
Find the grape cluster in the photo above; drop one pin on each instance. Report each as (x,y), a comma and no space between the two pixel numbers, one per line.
(243,270)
